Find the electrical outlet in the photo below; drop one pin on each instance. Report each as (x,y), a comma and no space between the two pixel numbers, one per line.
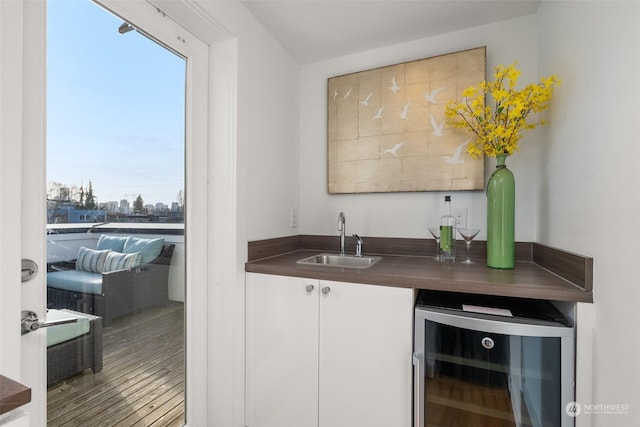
(461,217)
(294,217)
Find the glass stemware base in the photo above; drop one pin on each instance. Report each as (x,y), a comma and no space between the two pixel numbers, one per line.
(468,234)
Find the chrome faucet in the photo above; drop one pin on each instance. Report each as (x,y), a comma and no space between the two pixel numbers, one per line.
(359,243)
(341,229)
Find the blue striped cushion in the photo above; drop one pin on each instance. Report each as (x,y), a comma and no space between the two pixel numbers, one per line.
(117,261)
(91,260)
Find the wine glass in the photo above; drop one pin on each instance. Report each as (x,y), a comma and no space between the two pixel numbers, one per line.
(468,234)
(435,232)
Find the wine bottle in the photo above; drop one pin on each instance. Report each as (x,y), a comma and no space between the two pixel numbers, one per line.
(447,234)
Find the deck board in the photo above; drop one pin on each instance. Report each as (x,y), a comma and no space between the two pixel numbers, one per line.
(142,381)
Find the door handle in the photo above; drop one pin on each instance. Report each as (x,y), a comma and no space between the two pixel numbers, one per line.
(30,322)
(29,269)
(418,390)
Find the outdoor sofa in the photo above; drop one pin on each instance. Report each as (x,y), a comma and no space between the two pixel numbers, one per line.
(120,276)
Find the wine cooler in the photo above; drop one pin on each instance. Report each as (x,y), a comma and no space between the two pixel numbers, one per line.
(491,361)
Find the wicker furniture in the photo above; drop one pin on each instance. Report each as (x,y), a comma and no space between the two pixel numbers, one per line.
(122,292)
(75,355)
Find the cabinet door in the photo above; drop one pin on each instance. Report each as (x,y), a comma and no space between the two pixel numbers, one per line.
(365,355)
(282,351)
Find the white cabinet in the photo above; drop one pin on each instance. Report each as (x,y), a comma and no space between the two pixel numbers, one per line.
(282,352)
(327,354)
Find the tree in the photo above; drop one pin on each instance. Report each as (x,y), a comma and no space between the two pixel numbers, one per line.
(59,193)
(90,199)
(138,205)
(86,199)
(81,200)
(180,199)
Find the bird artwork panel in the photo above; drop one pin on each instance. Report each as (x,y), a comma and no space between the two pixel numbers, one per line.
(387,132)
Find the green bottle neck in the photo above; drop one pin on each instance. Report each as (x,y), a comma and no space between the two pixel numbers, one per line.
(501,160)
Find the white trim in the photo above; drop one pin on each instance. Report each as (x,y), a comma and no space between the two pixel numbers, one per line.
(33,216)
(159,26)
(226,297)
(11,30)
(22,173)
(227,240)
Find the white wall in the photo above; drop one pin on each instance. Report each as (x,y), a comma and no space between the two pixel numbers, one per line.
(268,120)
(409,214)
(272,131)
(590,188)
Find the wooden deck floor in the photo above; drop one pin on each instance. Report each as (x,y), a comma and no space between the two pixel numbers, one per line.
(142,381)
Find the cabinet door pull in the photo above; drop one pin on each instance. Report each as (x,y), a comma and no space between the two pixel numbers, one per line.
(309,288)
(326,290)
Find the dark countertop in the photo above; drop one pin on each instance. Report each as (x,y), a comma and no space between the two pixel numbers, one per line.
(527,280)
(12,394)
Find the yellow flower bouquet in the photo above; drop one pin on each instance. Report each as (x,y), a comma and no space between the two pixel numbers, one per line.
(498,127)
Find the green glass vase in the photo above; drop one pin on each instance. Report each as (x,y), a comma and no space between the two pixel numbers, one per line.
(501,206)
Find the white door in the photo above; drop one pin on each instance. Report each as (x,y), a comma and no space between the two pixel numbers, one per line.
(22,180)
(23,191)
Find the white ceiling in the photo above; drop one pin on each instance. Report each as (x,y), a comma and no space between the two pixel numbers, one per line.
(314,30)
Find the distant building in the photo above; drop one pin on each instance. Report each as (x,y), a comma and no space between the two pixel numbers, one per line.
(68,214)
(125,208)
(111,207)
(161,208)
(65,193)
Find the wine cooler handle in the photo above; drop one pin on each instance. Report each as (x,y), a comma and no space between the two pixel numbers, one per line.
(418,390)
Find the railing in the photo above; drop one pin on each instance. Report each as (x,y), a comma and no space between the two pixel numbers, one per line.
(64,241)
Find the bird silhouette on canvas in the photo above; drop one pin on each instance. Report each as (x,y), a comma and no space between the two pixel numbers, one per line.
(366,100)
(394,86)
(431,97)
(393,150)
(437,128)
(335,93)
(378,114)
(455,159)
(348,93)
(405,111)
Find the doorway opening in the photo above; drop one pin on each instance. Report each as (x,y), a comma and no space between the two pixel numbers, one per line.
(115,213)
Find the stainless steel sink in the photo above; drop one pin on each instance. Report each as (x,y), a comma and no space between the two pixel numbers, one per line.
(345,261)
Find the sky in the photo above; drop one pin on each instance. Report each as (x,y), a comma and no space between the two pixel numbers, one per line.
(115,107)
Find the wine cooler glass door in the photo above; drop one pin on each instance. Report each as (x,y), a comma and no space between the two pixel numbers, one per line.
(470,377)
